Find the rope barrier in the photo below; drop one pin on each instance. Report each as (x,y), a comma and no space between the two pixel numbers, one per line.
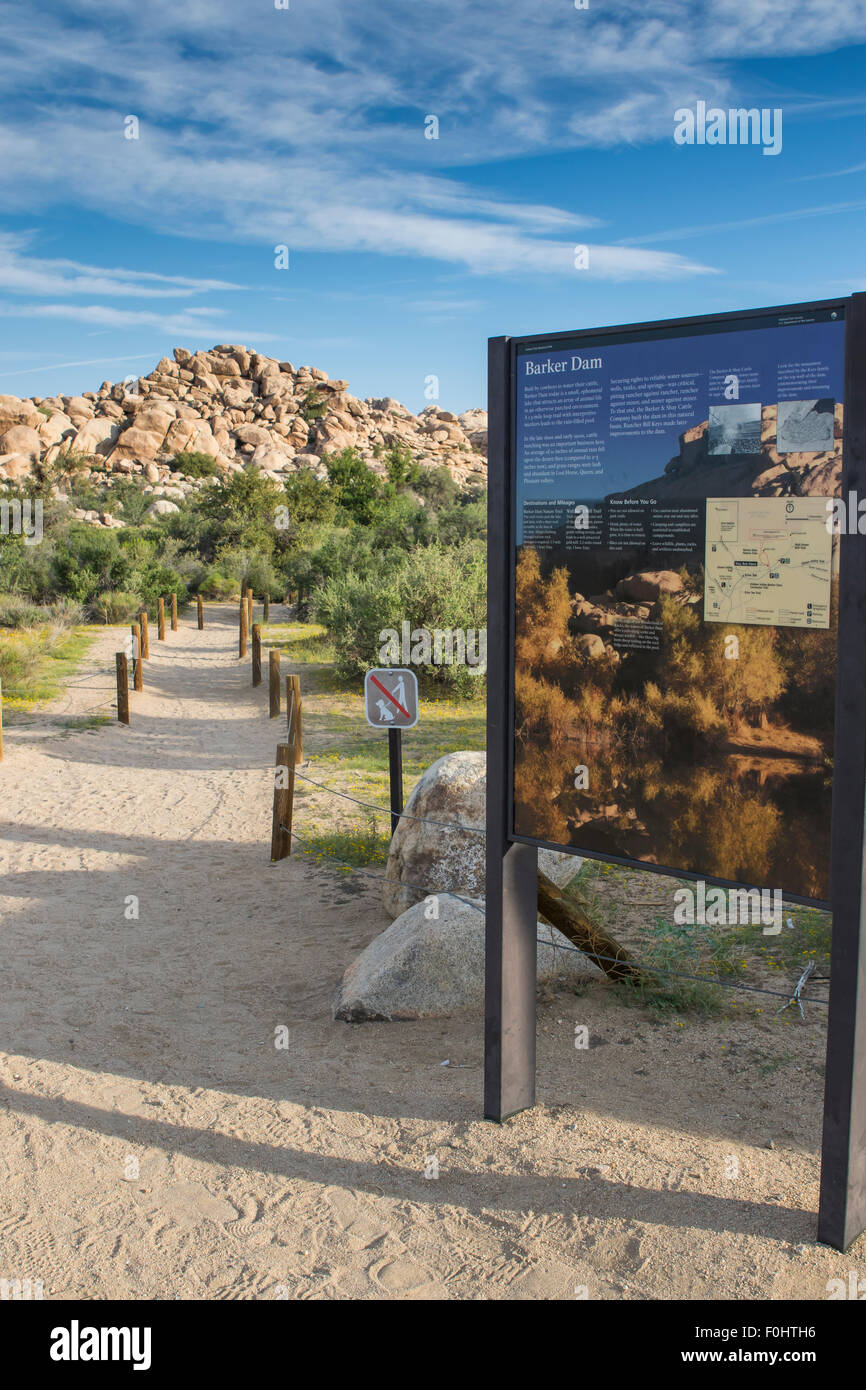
(386,811)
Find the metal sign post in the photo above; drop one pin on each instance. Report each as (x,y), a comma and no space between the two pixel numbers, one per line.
(391,702)
(842,1209)
(511,893)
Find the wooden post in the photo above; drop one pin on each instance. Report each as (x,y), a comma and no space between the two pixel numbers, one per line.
(284,793)
(200,612)
(137,663)
(274,683)
(266,608)
(250,608)
(1,721)
(174,612)
(242,627)
(160,620)
(145,635)
(257,654)
(122,665)
(293,716)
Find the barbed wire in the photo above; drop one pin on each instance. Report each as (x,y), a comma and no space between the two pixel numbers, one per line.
(789,996)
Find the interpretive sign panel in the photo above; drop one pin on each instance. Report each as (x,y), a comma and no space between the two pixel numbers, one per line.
(676,677)
(676,593)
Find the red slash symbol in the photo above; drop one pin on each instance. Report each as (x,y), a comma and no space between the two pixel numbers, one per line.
(389,696)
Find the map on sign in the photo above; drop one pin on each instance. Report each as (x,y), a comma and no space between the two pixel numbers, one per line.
(391,698)
(768,561)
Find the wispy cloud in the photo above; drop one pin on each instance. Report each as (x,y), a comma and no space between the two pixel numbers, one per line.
(82,362)
(196,322)
(767,219)
(22,273)
(306,126)
(249,132)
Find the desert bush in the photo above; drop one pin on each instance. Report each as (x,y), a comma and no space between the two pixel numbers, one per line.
(192,463)
(314,406)
(436,486)
(88,561)
(19,612)
(22,654)
(217,585)
(430,588)
(355,486)
(115,606)
(251,568)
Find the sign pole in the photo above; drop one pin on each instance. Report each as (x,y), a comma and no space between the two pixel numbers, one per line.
(842,1208)
(395,767)
(511,914)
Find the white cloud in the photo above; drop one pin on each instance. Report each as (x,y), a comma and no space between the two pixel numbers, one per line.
(27,274)
(766,219)
(197,322)
(307,126)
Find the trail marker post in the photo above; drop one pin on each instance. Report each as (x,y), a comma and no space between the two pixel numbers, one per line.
(174,612)
(284,792)
(137,664)
(160,620)
(242,627)
(199,612)
(266,608)
(288,754)
(391,702)
(257,654)
(294,712)
(273,683)
(145,635)
(122,667)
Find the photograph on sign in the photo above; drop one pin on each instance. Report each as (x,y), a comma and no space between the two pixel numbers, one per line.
(676,594)
(391,698)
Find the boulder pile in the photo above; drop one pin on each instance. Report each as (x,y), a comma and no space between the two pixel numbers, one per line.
(242,409)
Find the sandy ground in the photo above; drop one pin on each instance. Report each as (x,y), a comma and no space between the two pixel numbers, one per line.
(155,1143)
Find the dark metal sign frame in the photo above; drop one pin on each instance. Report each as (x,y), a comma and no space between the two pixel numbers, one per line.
(509,1078)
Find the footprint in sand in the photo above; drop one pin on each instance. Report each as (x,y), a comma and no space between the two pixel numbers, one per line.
(191,1202)
(401,1276)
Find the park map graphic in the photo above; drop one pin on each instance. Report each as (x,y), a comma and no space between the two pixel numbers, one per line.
(768,561)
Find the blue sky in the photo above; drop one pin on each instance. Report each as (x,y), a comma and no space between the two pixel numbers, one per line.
(305,127)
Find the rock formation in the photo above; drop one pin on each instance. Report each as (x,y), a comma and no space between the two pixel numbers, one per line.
(238,406)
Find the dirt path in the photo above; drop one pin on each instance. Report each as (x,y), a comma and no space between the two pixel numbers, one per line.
(155,1143)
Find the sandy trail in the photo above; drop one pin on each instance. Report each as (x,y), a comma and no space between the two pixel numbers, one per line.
(154,1143)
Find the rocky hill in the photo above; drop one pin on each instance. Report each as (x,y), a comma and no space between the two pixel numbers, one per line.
(238,406)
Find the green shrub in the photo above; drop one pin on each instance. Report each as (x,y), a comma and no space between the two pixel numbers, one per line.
(115,606)
(431,588)
(436,486)
(314,406)
(356,487)
(217,585)
(22,655)
(195,464)
(88,561)
(18,612)
(251,568)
